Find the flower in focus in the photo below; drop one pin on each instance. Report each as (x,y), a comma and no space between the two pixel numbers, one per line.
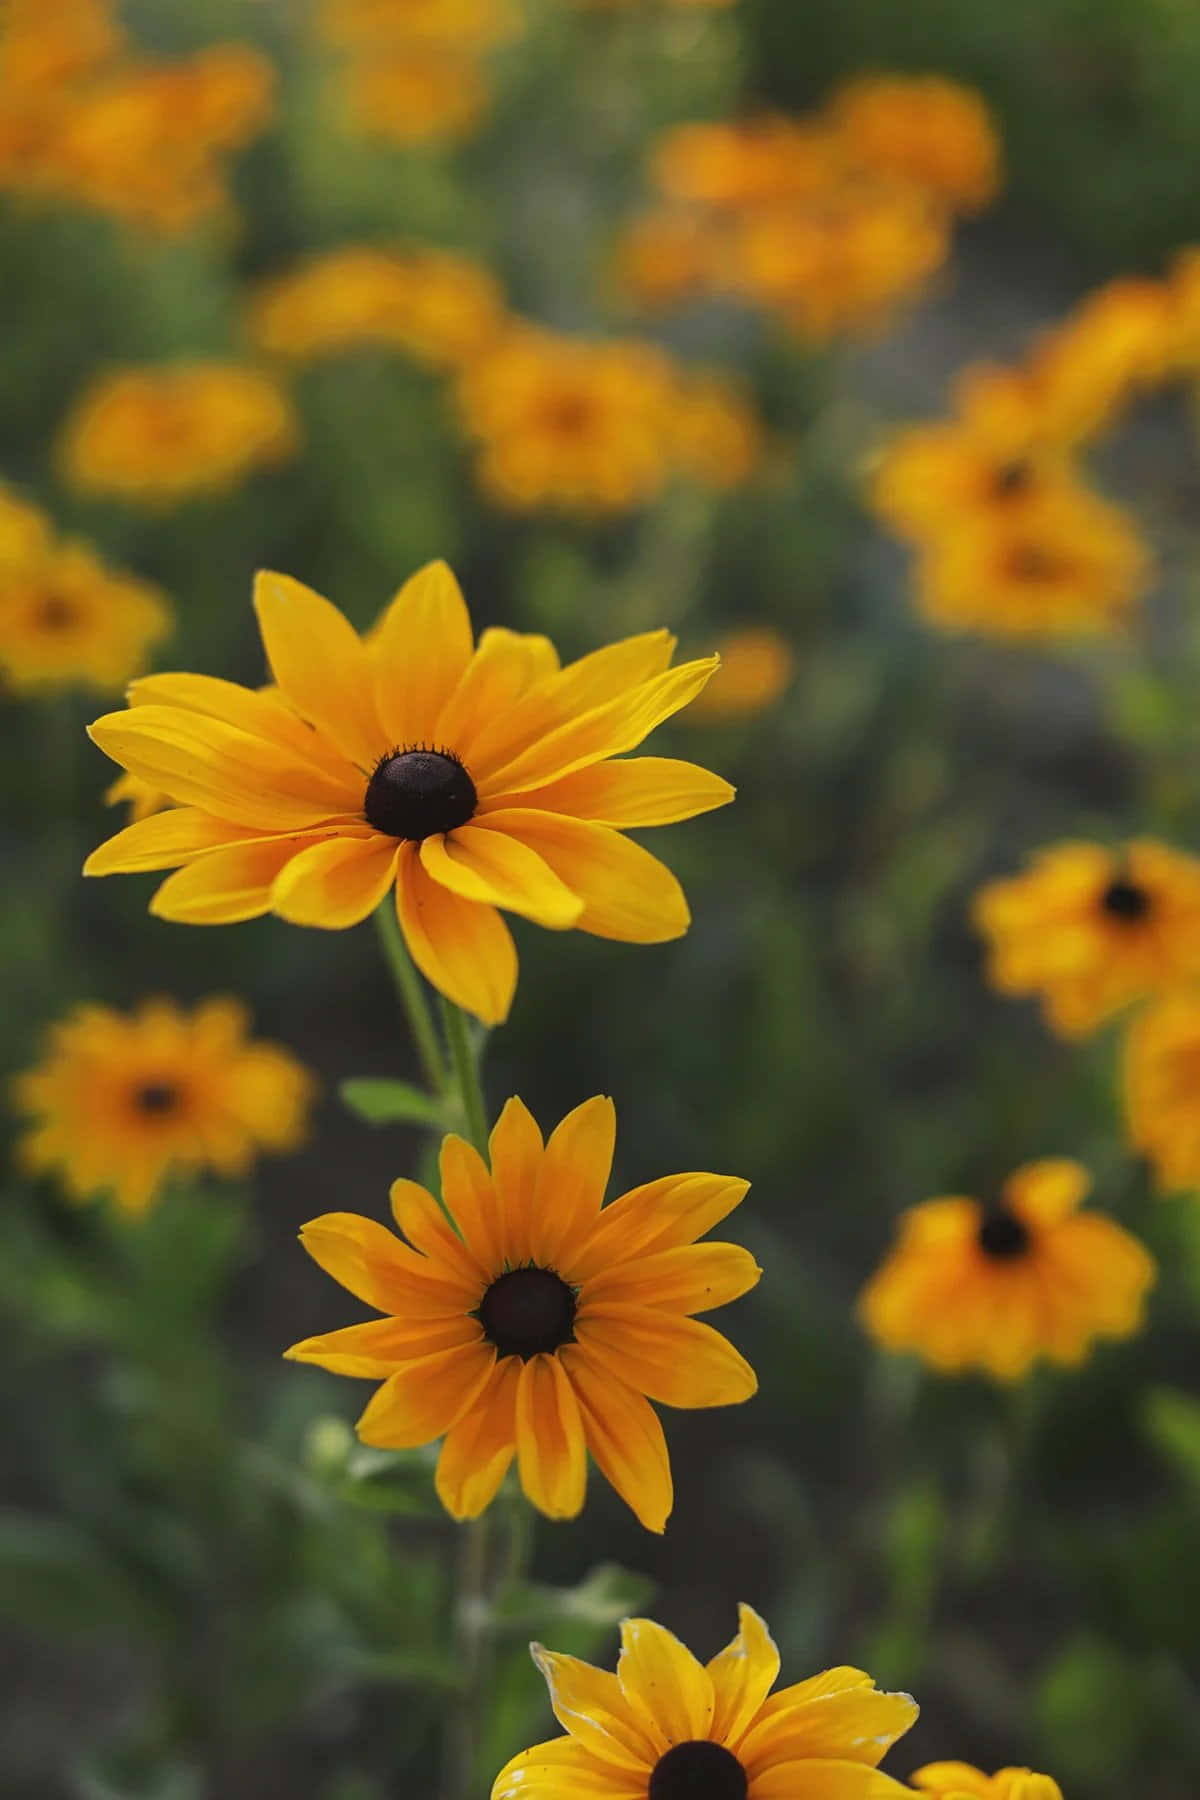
(464,777)
(1161,1082)
(1090,929)
(156,436)
(668,1726)
(1065,563)
(439,307)
(994,1287)
(539,1323)
(959,1781)
(924,129)
(756,666)
(123,1103)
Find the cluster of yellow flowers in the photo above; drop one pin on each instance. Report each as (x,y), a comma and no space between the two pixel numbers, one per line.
(65,618)
(414,71)
(827,222)
(86,119)
(1011,538)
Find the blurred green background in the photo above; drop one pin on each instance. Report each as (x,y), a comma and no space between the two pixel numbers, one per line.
(199,1595)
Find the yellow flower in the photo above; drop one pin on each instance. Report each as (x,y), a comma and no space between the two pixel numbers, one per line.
(959,1781)
(414,97)
(934,133)
(994,1287)
(24,531)
(1065,563)
(368,26)
(756,666)
(718,439)
(1116,345)
(44,46)
(538,1326)
(157,435)
(123,1103)
(666,256)
(141,798)
(464,777)
(730,166)
(581,424)
(1091,929)
(66,620)
(440,307)
(930,479)
(1161,1082)
(668,1726)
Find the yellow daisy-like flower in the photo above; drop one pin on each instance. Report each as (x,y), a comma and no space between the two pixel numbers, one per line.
(67,620)
(25,533)
(931,480)
(1091,929)
(668,1727)
(1161,1083)
(414,97)
(960,1781)
(1116,345)
(465,777)
(156,436)
(718,439)
(994,1287)
(756,666)
(123,1103)
(369,26)
(924,129)
(538,1323)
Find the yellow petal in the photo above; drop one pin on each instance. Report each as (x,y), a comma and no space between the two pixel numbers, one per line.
(377,1268)
(477,1451)
(827,1780)
(589,1703)
(515,1151)
(374,1350)
(644,790)
(949,1777)
(742,1675)
(335,884)
(201,761)
(425,1398)
(571,1181)
(691,1279)
(262,713)
(468,1192)
(624,1436)
(565,1770)
(1047,1191)
(420,650)
(497,870)
(427,1229)
(464,948)
(551,1449)
(675,1360)
(506,664)
(858,1725)
(659,1215)
(668,1691)
(627,893)
(321,665)
(163,841)
(226,886)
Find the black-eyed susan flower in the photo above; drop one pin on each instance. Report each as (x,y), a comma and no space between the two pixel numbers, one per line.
(538,1324)
(123,1103)
(67,621)
(960,1781)
(1161,1084)
(1089,929)
(466,778)
(669,1727)
(933,479)
(995,1286)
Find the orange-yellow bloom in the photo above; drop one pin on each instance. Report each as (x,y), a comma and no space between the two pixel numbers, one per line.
(930,481)
(960,1781)
(995,1287)
(537,1323)
(923,129)
(156,436)
(414,97)
(756,666)
(463,777)
(1090,929)
(368,26)
(66,620)
(123,1103)
(668,1726)
(1161,1083)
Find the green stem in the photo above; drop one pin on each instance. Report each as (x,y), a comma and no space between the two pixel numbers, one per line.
(464,1060)
(471,1642)
(412,995)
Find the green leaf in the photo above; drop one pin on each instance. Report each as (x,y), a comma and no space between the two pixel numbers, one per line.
(609,1593)
(1173,1420)
(382,1102)
(56,1583)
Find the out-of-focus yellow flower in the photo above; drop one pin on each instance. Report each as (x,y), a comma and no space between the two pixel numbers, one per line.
(756,666)
(994,1287)
(718,438)
(1116,345)
(44,46)
(666,256)
(441,308)
(66,621)
(122,1103)
(1065,564)
(923,129)
(1090,929)
(142,797)
(156,435)
(1161,1082)
(733,165)
(422,96)
(371,25)
(930,479)
(1014,409)
(575,423)
(24,530)
(961,1781)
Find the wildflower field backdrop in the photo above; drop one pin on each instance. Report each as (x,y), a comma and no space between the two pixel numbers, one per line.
(632,569)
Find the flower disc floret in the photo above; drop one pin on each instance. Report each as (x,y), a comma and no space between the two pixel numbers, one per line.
(415,794)
(698,1770)
(1002,1234)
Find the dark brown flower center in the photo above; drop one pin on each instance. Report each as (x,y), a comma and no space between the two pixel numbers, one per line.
(1125,900)
(157,1097)
(1002,1234)
(1011,478)
(528,1310)
(1033,563)
(416,794)
(55,614)
(698,1770)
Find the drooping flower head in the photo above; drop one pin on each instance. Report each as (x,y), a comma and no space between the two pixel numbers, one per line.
(1161,1083)
(1090,929)
(464,777)
(995,1286)
(667,1727)
(960,1781)
(125,1102)
(538,1324)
